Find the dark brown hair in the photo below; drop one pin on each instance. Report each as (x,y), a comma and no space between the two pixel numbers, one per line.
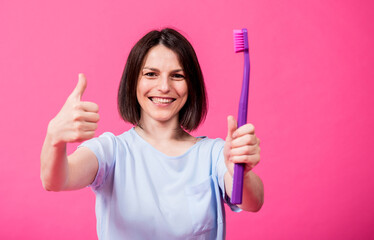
(194,111)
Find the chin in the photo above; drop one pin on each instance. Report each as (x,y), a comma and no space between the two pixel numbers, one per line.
(163,118)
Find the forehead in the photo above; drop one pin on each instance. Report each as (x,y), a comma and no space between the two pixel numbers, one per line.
(161,57)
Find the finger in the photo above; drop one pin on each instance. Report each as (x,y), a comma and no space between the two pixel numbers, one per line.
(244,150)
(90,117)
(79,88)
(250,160)
(85,135)
(248,139)
(82,116)
(90,107)
(82,126)
(89,126)
(231,127)
(245,129)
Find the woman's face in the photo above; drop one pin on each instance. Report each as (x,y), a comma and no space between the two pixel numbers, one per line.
(162,88)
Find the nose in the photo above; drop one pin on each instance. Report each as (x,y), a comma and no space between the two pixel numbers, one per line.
(164,84)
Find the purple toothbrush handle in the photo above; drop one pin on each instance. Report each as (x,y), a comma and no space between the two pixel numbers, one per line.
(237,188)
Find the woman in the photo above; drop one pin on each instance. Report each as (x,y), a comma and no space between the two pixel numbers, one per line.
(155,181)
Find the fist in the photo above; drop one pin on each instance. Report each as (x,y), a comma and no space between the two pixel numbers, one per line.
(77,120)
(241,146)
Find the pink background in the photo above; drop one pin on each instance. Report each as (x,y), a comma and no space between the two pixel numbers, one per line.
(310,100)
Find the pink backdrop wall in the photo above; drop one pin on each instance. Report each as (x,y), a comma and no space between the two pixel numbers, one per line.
(310,100)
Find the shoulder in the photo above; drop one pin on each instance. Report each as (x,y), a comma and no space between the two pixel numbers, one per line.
(211,148)
(211,143)
(107,140)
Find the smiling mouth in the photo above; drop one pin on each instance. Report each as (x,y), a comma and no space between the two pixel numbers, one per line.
(159,100)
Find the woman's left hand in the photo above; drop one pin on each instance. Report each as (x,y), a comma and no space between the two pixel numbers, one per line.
(241,146)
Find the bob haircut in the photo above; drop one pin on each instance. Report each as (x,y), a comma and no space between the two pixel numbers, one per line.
(194,111)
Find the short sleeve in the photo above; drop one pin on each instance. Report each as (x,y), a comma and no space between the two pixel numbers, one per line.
(221,169)
(103,147)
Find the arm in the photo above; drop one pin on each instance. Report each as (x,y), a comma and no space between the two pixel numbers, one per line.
(242,146)
(253,191)
(76,121)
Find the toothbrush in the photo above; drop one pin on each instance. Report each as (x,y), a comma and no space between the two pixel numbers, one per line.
(241,45)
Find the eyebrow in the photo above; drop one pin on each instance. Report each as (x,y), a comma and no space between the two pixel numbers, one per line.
(157,70)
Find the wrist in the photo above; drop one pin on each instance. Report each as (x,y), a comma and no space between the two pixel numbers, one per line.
(248,174)
(53,137)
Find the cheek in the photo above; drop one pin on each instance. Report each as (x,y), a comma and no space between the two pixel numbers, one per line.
(182,89)
(140,92)
(183,94)
(142,87)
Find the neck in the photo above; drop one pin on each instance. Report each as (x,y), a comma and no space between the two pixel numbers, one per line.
(161,131)
(163,135)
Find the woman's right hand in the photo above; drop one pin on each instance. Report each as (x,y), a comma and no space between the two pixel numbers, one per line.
(77,120)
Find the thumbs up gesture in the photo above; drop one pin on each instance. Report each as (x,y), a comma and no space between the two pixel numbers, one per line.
(241,146)
(77,120)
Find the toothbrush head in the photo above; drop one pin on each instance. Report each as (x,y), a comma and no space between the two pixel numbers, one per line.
(240,40)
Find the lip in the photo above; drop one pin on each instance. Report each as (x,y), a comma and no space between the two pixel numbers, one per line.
(161,100)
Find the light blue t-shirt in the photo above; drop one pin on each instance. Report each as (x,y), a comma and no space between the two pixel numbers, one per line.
(141,193)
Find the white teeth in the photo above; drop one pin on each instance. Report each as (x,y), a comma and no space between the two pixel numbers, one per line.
(162,100)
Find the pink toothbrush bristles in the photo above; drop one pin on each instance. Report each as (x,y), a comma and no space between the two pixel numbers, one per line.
(238,41)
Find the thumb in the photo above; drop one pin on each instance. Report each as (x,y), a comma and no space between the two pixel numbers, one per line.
(231,127)
(80,87)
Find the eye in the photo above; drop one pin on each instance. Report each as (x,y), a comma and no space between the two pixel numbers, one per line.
(178,76)
(150,74)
